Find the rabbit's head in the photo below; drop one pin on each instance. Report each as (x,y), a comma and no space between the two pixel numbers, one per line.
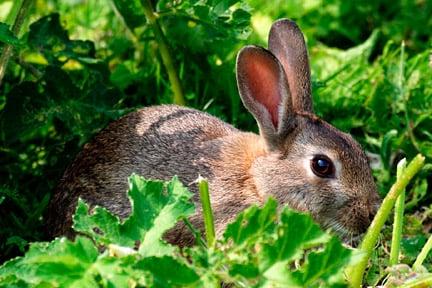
(309,164)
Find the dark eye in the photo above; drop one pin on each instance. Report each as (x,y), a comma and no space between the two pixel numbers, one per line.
(322,166)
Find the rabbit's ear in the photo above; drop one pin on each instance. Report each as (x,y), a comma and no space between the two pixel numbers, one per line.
(264,91)
(286,42)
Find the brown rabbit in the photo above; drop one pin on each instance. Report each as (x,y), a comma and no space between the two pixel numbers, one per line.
(298,158)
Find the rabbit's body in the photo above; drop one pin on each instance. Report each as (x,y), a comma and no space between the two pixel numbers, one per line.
(162,141)
(297,158)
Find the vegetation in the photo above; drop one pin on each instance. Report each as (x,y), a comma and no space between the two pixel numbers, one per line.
(67,68)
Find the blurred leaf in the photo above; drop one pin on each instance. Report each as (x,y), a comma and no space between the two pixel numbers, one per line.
(131,11)
(6,36)
(386,147)
(49,38)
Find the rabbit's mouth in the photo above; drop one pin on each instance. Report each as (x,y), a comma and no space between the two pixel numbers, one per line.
(352,240)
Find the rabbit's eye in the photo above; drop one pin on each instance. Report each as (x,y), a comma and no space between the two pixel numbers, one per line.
(322,166)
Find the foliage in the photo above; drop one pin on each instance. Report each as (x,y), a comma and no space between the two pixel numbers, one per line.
(256,250)
(76,65)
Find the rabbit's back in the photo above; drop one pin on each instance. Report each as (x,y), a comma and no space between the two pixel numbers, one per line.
(155,142)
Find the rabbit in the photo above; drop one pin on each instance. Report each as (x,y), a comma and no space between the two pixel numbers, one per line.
(297,158)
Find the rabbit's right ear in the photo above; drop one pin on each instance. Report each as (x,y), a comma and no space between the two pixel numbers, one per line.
(287,43)
(265,93)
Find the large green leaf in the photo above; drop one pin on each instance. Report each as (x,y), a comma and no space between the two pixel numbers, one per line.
(156,207)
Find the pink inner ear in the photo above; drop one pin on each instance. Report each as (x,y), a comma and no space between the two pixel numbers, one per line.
(264,84)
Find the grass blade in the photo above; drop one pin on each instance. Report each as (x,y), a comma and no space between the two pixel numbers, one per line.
(207,211)
(398,219)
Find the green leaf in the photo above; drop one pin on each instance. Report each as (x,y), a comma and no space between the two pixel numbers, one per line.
(157,212)
(7,37)
(58,98)
(48,36)
(295,232)
(63,263)
(59,263)
(168,272)
(131,11)
(253,222)
(99,224)
(261,247)
(156,207)
(325,265)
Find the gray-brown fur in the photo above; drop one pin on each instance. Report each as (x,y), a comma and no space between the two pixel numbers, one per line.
(243,168)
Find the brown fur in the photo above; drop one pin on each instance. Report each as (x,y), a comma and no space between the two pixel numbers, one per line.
(242,168)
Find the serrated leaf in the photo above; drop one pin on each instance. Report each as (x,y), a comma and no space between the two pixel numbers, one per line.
(59,263)
(295,231)
(99,224)
(168,272)
(324,266)
(177,204)
(156,207)
(252,222)
(261,249)
(63,263)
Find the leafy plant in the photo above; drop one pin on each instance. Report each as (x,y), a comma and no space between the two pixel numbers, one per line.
(258,249)
(71,66)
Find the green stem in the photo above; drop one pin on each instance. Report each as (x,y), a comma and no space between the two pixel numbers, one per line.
(423,281)
(195,232)
(165,53)
(207,211)
(19,17)
(423,253)
(356,271)
(16,6)
(398,219)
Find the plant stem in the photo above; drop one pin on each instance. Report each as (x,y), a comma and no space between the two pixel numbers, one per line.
(355,272)
(207,211)
(398,218)
(195,232)
(422,281)
(167,60)
(16,28)
(423,253)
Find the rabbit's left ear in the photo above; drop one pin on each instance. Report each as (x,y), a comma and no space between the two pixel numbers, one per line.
(265,93)
(286,42)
